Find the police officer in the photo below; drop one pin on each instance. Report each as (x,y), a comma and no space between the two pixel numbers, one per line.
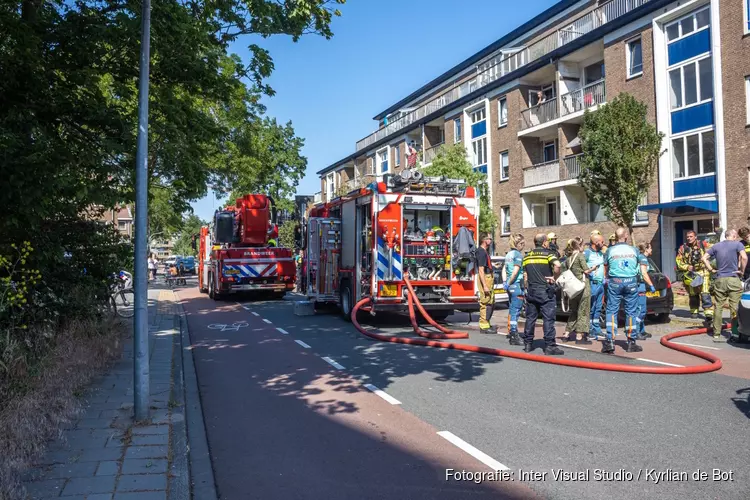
(744,234)
(541,267)
(621,268)
(594,256)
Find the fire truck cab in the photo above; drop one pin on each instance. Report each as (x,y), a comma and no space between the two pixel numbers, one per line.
(368,242)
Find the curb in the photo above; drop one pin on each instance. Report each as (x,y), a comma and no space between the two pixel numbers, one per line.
(179,477)
(197,454)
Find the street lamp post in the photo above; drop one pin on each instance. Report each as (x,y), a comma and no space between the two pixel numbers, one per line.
(141,355)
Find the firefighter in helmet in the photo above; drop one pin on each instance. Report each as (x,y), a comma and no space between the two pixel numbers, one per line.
(695,276)
(272,242)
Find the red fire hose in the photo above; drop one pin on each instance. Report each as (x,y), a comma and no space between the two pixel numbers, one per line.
(452,334)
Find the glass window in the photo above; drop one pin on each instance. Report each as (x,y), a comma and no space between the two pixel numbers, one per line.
(505,219)
(396,156)
(595,72)
(678,158)
(504,167)
(673,31)
(478,115)
(709,153)
(703,18)
(675,85)
(693,155)
(502,111)
(747,93)
(457,130)
(383,158)
(687,25)
(550,151)
(635,58)
(691,85)
(479,148)
(706,78)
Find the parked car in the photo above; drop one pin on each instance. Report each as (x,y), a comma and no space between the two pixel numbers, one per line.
(743,315)
(659,304)
(186,264)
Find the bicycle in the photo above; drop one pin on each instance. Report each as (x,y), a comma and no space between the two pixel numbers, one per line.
(123,295)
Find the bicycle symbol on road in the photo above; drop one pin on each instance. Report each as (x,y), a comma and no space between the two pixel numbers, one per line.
(234,327)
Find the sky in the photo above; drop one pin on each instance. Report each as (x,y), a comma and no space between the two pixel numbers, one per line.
(381,51)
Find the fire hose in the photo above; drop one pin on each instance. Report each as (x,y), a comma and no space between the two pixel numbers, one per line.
(429,340)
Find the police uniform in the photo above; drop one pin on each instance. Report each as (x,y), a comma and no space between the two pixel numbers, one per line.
(699,295)
(539,264)
(595,258)
(747,268)
(623,269)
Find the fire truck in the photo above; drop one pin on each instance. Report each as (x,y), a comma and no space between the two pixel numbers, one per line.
(408,228)
(237,252)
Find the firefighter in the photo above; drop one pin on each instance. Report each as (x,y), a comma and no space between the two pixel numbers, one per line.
(486,278)
(272,242)
(744,234)
(696,278)
(621,269)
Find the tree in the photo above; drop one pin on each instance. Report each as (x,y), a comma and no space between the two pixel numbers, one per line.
(191,225)
(451,162)
(286,234)
(621,154)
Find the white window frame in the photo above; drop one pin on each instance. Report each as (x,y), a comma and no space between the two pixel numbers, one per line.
(396,155)
(379,157)
(747,92)
(746,18)
(504,154)
(695,62)
(505,219)
(330,186)
(628,56)
(502,103)
(457,130)
(643,221)
(679,20)
(475,163)
(475,115)
(699,132)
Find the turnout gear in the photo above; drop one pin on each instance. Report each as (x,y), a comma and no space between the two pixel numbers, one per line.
(697,281)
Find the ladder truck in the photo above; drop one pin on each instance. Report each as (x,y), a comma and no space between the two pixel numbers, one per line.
(238,251)
(381,241)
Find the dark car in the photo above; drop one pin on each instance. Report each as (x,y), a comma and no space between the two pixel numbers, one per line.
(659,304)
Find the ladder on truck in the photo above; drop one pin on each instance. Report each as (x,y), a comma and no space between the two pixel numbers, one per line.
(324,249)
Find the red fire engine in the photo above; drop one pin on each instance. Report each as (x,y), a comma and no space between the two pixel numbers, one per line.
(408,228)
(238,252)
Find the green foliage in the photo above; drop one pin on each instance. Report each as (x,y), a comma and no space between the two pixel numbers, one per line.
(286,234)
(451,162)
(191,225)
(621,154)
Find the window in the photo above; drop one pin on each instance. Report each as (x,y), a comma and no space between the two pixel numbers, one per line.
(594,73)
(396,155)
(456,130)
(505,219)
(502,111)
(122,225)
(504,166)
(635,58)
(478,115)
(747,94)
(747,16)
(550,151)
(383,161)
(691,84)
(694,155)
(479,154)
(641,217)
(596,213)
(689,25)
(552,212)
(548,93)
(479,139)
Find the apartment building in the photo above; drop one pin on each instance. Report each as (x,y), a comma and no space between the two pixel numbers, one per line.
(517,107)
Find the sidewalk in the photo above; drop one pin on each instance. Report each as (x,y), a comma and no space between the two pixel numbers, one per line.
(104,455)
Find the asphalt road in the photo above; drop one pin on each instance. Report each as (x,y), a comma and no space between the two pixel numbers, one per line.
(283,422)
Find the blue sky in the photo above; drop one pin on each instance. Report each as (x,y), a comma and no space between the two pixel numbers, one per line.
(381,51)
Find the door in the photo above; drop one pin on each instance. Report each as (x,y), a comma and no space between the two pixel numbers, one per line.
(681,229)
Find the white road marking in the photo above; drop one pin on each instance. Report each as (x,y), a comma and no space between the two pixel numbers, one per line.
(302,344)
(255,314)
(659,362)
(696,345)
(383,394)
(282,331)
(333,363)
(264,319)
(575,347)
(481,456)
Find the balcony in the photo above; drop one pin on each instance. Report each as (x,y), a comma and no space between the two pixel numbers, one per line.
(431,153)
(541,173)
(571,167)
(539,114)
(500,65)
(589,96)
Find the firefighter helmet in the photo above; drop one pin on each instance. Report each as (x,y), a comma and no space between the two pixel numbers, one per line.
(272,242)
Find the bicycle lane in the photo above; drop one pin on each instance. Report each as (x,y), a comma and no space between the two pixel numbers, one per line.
(282,422)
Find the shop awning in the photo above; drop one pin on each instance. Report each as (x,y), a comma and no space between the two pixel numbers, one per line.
(682,207)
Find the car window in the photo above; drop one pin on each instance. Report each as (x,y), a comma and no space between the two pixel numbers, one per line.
(654,267)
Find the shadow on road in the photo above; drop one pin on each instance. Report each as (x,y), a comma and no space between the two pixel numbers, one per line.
(742,401)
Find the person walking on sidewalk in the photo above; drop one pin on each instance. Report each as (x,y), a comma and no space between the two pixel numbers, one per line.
(541,267)
(486,285)
(514,285)
(644,252)
(731,261)
(594,256)
(580,306)
(622,270)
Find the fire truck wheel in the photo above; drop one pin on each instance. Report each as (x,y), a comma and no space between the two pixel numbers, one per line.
(346,301)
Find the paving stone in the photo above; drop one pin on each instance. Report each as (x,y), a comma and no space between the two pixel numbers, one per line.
(151,439)
(151,429)
(100,496)
(95,423)
(86,486)
(99,455)
(45,489)
(64,471)
(142,482)
(144,466)
(146,452)
(108,468)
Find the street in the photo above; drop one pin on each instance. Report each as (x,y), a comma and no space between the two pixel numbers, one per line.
(307,407)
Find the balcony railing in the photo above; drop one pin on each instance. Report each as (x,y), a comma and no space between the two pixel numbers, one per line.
(591,95)
(501,65)
(541,173)
(318,197)
(541,113)
(431,153)
(571,167)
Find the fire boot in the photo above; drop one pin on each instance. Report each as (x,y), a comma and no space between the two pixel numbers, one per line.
(514,339)
(644,336)
(633,347)
(553,350)
(528,346)
(608,346)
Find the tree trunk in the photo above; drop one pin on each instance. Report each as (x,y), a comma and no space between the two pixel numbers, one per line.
(632,236)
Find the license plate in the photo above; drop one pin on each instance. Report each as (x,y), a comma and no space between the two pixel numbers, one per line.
(653,294)
(388,291)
